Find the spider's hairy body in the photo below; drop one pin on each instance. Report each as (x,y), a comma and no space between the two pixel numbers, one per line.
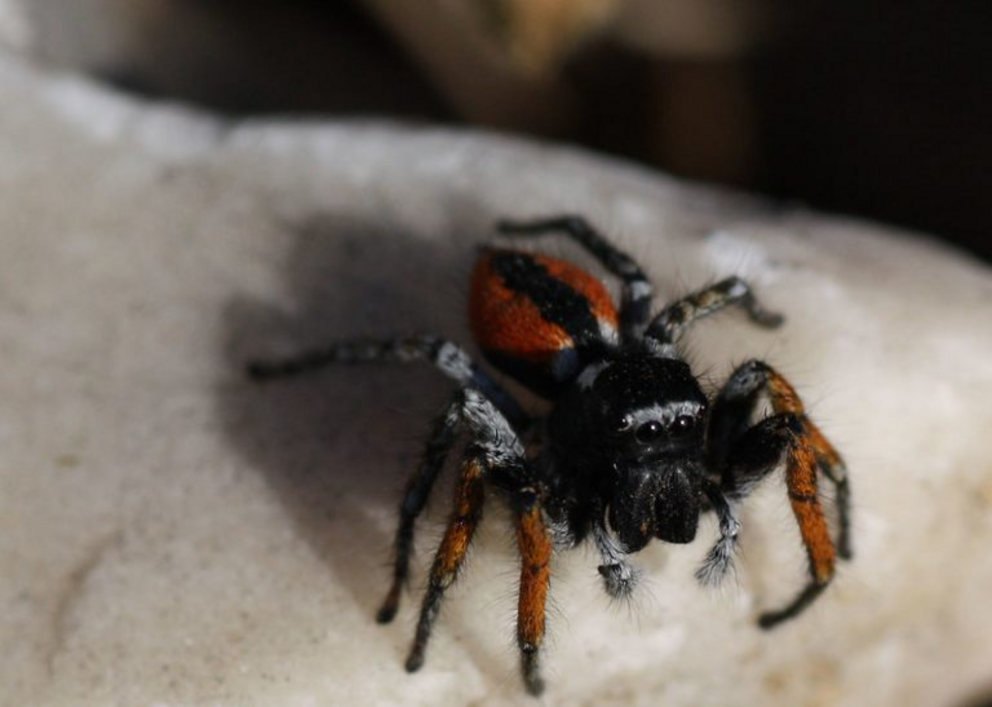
(631,449)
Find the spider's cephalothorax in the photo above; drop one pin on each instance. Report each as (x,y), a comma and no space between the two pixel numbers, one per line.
(631,449)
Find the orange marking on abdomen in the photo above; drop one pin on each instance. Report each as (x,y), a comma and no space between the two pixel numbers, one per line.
(510,323)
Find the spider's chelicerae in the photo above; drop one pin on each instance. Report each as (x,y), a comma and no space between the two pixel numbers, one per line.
(631,449)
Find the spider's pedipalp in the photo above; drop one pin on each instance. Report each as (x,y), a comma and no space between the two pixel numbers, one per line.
(619,576)
(719,560)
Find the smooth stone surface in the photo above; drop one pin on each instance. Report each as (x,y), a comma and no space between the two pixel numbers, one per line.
(171,535)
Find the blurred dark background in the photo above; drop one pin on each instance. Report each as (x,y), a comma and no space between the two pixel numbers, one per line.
(877,109)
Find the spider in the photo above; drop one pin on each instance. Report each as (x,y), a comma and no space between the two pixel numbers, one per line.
(631,448)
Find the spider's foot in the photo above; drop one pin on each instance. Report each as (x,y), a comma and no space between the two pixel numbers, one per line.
(844,550)
(387,612)
(262,371)
(415,661)
(258,371)
(532,672)
(771,619)
(763,317)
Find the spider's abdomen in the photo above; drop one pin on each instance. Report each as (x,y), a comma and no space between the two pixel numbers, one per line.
(531,315)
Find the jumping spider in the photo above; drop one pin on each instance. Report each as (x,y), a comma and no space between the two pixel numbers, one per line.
(632,449)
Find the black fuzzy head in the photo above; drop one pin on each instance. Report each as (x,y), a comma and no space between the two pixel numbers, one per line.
(637,424)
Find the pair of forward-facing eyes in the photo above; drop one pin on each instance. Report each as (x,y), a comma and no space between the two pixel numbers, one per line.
(656,422)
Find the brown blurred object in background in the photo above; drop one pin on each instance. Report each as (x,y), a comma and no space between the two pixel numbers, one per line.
(540,35)
(658,80)
(876,109)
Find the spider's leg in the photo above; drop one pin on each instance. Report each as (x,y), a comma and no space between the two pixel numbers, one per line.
(757,453)
(508,469)
(451,552)
(747,454)
(832,465)
(447,356)
(637,290)
(443,434)
(730,419)
(535,545)
(675,318)
(495,454)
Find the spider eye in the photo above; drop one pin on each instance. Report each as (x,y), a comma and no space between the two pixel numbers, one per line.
(683,424)
(649,431)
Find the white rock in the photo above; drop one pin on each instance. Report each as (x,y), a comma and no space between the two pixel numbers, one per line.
(170,535)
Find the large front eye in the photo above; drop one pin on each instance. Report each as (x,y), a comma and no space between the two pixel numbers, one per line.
(649,431)
(682,424)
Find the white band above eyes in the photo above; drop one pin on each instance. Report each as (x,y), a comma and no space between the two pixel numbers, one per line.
(666,414)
